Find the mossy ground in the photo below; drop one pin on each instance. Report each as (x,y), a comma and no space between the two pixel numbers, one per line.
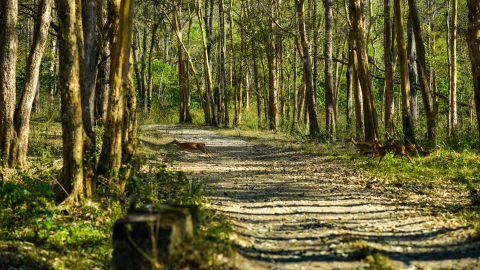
(38,232)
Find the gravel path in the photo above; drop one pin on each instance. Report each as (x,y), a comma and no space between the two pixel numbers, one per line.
(292,210)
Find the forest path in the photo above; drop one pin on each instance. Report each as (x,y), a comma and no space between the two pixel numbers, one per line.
(292,210)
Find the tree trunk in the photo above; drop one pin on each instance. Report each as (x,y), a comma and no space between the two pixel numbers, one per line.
(425,85)
(452,106)
(143,68)
(149,68)
(407,119)
(111,155)
(8,64)
(474,49)
(69,84)
(316,41)
(208,72)
(88,69)
(328,55)
(19,147)
(314,129)
(256,83)
(103,70)
(362,69)
(295,91)
(388,59)
(222,87)
(412,69)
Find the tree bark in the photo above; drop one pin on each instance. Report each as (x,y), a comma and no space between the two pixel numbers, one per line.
(328,55)
(111,155)
(362,69)
(149,68)
(8,64)
(314,129)
(208,72)
(452,107)
(256,83)
(222,87)
(407,119)
(412,68)
(388,59)
(425,85)
(19,147)
(103,70)
(474,49)
(69,84)
(88,69)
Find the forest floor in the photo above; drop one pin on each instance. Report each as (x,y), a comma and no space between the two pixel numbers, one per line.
(292,209)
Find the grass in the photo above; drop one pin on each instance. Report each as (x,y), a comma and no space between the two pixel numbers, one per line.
(37,232)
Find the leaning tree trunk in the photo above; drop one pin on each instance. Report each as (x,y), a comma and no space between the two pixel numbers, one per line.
(8,63)
(474,48)
(111,156)
(388,59)
(314,129)
(427,92)
(407,119)
(69,84)
(19,147)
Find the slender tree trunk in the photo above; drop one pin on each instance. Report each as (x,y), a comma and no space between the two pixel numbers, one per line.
(88,69)
(223,70)
(208,73)
(328,55)
(407,119)
(69,84)
(19,147)
(316,41)
(272,87)
(129,136)
(388,59)
(474,49)
(256,84)
(149,68)
(295,91)
(412,69)
(103,70)
(8,64)
(111,156)
(362,69)
(452,106)
(349,107)
(137,66)
(425,85)
(314,129)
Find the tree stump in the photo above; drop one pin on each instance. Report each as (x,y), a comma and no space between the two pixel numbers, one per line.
(148,238)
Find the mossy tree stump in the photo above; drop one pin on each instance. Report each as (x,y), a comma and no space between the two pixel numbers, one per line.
(149,238)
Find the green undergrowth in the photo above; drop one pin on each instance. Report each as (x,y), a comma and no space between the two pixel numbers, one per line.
(38,232)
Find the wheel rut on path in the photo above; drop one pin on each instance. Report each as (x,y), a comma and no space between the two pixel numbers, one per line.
(292,210)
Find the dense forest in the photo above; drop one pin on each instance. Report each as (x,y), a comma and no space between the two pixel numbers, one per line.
(92,93)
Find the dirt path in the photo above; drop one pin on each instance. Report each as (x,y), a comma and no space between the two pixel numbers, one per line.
(292,210)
